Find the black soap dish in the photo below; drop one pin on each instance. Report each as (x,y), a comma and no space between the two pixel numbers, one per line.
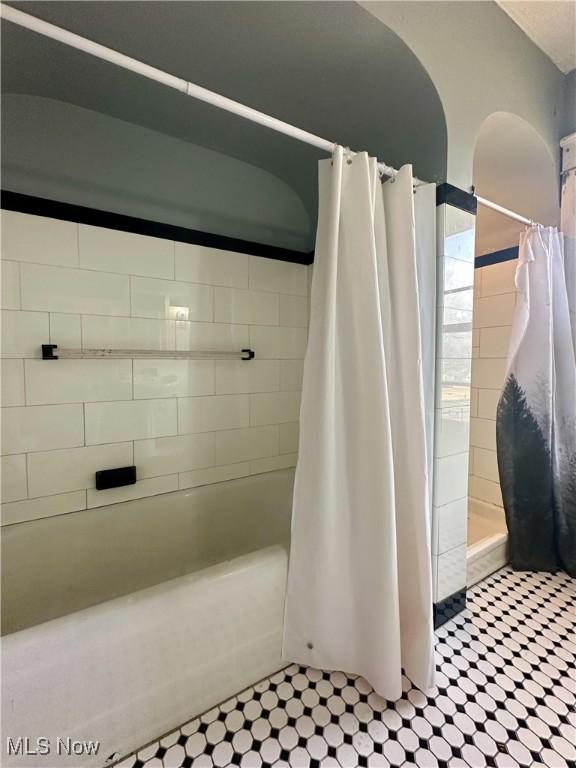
(115,478)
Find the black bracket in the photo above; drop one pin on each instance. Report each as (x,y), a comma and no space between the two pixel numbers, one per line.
(48,351)
(248,354)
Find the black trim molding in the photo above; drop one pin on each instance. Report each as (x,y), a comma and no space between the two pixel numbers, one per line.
(448,194)
(507,254)
(448,608)
(39,206)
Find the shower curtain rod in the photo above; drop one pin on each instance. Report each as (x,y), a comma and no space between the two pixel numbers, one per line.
(196,91)
(504,211)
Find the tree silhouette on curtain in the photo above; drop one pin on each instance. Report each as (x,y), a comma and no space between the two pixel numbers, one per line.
(525,466)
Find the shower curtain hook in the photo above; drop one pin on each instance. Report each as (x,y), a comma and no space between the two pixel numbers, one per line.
(335,147)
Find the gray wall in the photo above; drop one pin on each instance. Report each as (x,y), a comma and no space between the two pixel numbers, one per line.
(569,116)
(327,67)
(67,153)
(513,166)
(480,63)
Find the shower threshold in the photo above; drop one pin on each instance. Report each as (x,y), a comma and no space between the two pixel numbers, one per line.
(487,541)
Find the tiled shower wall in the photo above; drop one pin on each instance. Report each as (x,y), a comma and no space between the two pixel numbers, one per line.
(494,301)
(183,423)
(455,275)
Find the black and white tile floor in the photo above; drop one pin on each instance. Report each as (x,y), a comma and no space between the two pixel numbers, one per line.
(505,696)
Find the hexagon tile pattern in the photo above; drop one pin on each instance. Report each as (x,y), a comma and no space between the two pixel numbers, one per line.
(505,696)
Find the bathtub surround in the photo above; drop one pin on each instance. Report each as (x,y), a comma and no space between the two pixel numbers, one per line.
(536,418)
(494,302)
(183,423)
(455,275)
(68,562)
(359,588)
(33,487)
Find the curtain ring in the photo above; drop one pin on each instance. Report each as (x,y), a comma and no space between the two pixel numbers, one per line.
(334,149)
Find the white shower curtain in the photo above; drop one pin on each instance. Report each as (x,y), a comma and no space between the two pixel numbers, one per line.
(536,418)
(568,227)
(359,595)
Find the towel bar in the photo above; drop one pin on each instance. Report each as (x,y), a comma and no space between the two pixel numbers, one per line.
(54,352)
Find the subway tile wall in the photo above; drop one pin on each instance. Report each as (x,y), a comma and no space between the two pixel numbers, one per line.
(183,423)
(494,302)
(455,277)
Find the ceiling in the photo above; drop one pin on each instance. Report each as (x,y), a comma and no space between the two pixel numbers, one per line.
(551,24)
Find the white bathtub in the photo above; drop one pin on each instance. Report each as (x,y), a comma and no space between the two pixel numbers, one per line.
(128,670)
(127,621)
(487,540)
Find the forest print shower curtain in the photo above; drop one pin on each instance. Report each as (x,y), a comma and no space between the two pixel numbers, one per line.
(536,419)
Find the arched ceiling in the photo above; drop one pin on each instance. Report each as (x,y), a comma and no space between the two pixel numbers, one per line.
(512,167)
(328,67)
